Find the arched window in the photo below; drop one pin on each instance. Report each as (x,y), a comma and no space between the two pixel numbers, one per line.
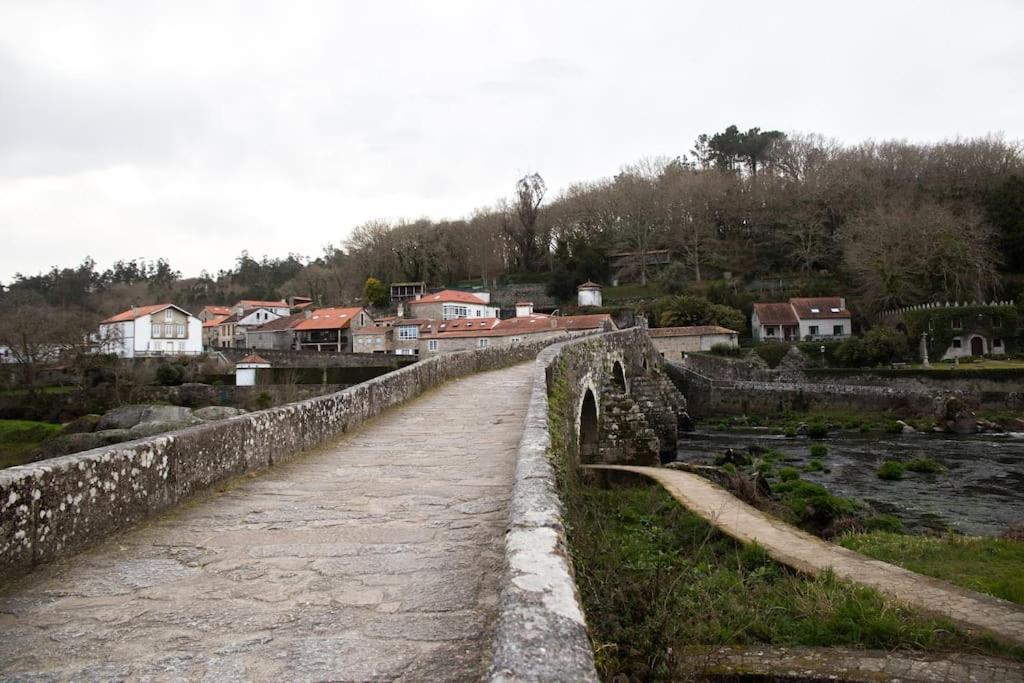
(619,376)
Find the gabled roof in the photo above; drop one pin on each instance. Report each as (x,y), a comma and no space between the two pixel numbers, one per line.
(282,324)
(819,307)
(328,319)
(233,318)
(218,310)
(448,296)
(589,285)
(254,358)
(775,314)
(255,303)
(689,331)
(216,320)
(140,311)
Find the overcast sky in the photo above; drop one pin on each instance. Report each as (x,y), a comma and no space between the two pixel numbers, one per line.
(194,130)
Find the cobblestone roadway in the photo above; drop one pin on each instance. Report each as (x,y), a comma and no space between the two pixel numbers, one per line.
(374,558)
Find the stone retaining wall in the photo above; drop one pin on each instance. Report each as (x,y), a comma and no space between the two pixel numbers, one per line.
(53,508)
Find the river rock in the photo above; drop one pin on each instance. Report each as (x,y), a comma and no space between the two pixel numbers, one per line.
(82,425)
(905,428)
(144,429)
(218,412)
(1014,424)
(126,417)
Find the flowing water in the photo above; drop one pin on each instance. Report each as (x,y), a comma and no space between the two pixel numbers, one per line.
(981,492)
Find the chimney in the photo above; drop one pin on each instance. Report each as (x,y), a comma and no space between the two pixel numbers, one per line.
(524,309)
(135,309)
(308,313)
(553,321)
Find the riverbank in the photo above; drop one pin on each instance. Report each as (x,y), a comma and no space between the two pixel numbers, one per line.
(20,440)
(656,581)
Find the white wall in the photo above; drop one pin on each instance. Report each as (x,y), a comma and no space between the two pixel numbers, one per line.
(824,327)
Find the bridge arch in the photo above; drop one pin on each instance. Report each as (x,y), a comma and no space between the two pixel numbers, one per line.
(619,376)
(588,428)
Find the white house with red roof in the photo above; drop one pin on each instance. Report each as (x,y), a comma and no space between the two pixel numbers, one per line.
(156,330)
(461,334)
(802,318)
(450,304)
(279,307)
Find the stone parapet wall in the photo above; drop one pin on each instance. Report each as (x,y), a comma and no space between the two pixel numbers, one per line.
(541,632)
(52,508)
(319,359)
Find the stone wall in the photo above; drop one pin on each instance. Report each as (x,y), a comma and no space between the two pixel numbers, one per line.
(52,508)
(319,359)
(541,631)
(706,396)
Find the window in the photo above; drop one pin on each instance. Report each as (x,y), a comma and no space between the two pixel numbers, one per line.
(956,343)
(837,330)
(834,309)
(813,329)
(997,343)
(815,310)
(957,323)
(769,331)
(408,332)
(168,316)
(997,321)
(483,343)
(181,330)
(158,330)
(432,345)
(450,311)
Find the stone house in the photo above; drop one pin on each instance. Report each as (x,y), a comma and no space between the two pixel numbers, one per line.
(450,304)
(675,342)
(464,334)
(330,329)
(278,334)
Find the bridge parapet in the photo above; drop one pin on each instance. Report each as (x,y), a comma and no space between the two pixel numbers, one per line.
(53,508)
(541,632)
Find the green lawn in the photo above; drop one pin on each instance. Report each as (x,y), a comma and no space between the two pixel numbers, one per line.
(656,581)
(19,438)
(613,295)
(987,565)
(977,364)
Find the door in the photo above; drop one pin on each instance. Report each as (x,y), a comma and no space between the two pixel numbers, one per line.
(977,346)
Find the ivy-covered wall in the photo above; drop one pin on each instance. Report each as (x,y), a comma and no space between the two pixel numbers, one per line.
(1002,322)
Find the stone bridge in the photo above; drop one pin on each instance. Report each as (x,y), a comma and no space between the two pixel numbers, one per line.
(405,529)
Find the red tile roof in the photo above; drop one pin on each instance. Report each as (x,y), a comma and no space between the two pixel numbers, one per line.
(328,319)
(775,314)
(448,296)
(216,320)
(218,310)
(492,327)
(689,331)
(827,307)
(135,312)
(254,303)
(254,358)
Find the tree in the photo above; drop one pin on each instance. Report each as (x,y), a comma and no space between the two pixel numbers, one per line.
(1004,209)
(687,311)
(520,226)
(375,293)
(35,332)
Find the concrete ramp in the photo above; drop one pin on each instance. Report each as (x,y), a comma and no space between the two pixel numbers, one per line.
(375,557)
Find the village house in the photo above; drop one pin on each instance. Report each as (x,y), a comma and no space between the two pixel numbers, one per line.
(279,334)
(279,307)
(210,312)
(957,330)
(449,305)
(329,329)
(802,318)
(160,329)
(211,331)
(407,291)
(458,335)
(675,342)
(400,336)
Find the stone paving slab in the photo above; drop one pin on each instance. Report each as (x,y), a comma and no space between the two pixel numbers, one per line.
(376,557)
(810,554)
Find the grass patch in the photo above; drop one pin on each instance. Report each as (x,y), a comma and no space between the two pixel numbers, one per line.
(635,292)
(890,470)
(20,438)
(822,422)
(924,466)
(988,565)
(656,581)
(819,450)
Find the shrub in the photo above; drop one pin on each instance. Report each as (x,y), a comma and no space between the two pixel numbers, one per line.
(890,470)
(924,466)
(888,523)
(817,430)
(723,349)
(264,401)
(170,375)
(812,503)
(788,474)
(772,353)
(879,346)
(814,465)
(819,450)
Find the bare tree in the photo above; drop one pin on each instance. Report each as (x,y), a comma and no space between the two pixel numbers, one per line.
(521,229)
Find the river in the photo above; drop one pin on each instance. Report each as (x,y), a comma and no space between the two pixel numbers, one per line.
(980,493)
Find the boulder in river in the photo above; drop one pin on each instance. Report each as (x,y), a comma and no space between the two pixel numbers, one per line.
(126,417)
(82,425)
(218,412)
